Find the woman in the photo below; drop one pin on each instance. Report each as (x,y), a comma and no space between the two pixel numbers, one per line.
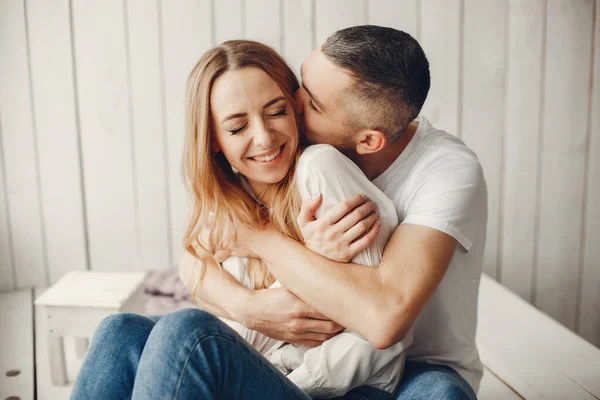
(244,165)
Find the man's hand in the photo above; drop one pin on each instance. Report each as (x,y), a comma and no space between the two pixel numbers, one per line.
(280,315)
(343,231)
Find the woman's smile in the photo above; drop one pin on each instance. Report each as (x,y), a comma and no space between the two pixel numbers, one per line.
(269,159)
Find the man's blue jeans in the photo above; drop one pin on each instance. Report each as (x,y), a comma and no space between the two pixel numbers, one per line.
(191,354)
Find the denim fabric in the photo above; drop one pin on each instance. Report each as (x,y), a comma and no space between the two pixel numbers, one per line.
(422,381)
(191,354)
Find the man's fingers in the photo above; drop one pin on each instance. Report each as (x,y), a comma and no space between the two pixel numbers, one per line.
(355,216)
(308,210)
(340,210)
(359,245)
(360,228)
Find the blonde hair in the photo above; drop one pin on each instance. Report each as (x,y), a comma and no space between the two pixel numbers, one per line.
(219,202)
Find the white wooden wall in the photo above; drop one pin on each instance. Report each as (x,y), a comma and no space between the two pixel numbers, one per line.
(91,127)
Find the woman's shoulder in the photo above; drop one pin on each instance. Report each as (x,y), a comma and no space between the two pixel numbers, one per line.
(323,154)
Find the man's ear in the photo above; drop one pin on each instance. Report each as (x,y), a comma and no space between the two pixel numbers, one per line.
(370,141)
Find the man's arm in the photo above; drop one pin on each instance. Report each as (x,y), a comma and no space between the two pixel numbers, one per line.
(380,304)
(276,313)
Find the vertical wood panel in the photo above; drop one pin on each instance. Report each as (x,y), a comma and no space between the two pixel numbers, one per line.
(332,15)
(149,137)
(298,32)
(521,134)
(262,20)
(108,169)
(568,44)
(401,15)
(19,148)
(185,36)
(440,36)
(483,103)
(589,312)
(7,281)
(49,31)
(228,20)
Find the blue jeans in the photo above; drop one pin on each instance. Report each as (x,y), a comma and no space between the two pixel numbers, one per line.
(191,354)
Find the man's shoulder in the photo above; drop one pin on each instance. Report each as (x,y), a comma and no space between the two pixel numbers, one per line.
(437,151)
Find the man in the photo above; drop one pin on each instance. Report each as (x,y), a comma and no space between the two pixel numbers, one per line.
(362,92)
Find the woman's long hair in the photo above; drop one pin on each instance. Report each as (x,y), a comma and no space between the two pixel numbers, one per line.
(218,201)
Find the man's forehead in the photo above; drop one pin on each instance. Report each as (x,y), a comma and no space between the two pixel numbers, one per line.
(325,79)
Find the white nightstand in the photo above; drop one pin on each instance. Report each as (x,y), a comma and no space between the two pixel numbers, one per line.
(75,305)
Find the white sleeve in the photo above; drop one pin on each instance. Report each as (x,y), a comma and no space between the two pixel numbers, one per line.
(446,200)
(347,360)
(344,362)
(322,169)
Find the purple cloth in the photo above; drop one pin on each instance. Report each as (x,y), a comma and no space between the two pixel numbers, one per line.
(165,292)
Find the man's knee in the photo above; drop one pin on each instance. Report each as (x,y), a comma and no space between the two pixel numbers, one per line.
(434,382)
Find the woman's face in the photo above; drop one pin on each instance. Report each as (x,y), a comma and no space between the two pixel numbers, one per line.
(254,126)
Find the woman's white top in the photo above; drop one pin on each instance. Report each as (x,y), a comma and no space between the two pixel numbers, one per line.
(347,360)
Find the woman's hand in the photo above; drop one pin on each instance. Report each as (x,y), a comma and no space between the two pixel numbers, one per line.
(280,315)
(343,231)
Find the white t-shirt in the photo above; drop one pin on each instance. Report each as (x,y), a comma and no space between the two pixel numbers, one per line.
(437,181)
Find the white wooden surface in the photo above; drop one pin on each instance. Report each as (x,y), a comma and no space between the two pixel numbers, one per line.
(91,127)
(108,170)
(185,35)
(16,346)
(564,126)
(523,96)
(444,54)
(19,150)
(45,389)
(58,141)
(483,109)
(588,324)
(147,130)
(529,351)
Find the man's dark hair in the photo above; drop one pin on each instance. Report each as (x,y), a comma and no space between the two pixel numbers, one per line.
(391,77)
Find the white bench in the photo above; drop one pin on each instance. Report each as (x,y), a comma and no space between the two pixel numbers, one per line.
(526,354)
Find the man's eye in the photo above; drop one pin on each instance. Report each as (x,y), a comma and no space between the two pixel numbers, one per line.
(237,130)
(311,104)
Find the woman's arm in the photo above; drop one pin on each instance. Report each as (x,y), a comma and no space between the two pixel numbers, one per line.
(276,313)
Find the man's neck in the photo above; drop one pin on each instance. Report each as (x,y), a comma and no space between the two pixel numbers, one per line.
(375,164)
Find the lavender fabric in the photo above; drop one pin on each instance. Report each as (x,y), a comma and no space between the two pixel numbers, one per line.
(165,292)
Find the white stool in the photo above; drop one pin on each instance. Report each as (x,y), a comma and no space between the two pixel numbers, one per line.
(75,305)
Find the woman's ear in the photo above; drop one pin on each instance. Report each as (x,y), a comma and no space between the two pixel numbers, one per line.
(370,141)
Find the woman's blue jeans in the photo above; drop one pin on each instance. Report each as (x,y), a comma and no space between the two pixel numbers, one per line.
(191,354)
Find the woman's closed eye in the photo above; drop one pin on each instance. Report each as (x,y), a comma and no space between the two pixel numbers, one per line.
(311,104)
(237,130)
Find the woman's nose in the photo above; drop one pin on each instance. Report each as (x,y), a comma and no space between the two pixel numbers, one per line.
(263,136)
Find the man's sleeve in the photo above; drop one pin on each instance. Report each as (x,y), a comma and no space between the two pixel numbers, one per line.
(451,199)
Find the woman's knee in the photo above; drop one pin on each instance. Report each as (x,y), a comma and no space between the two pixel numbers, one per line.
(189,322)
(121,324)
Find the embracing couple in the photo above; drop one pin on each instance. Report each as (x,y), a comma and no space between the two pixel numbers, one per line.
(335,241)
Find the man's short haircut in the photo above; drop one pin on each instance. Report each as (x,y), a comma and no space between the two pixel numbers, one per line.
(390,73)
